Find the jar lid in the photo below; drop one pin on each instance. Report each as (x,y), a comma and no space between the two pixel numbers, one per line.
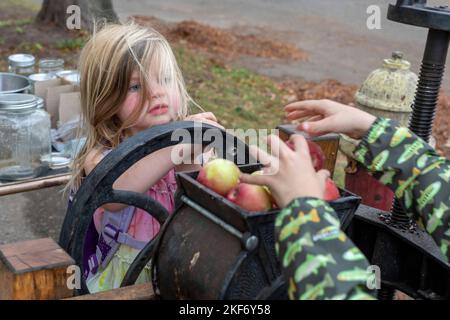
(41,77)
(396,62)
(17,101)
(21,60)
(40,102)
(71,76)
(51,62)
(56,160)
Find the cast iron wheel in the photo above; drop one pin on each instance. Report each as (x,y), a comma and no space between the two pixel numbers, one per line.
(96,189)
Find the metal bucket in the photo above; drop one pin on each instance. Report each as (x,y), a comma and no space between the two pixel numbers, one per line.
(13,83)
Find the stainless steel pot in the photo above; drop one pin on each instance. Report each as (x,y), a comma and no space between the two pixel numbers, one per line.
(13,83)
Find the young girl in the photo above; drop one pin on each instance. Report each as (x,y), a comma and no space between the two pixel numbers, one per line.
(130,81)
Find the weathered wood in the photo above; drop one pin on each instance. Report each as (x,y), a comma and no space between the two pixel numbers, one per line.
(136,292)
(34,270)
(41,183)
(328,142)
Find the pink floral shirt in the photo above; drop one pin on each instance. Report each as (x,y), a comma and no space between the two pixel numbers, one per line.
(143,226)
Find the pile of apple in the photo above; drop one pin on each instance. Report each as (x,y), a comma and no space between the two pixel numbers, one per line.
(222,176)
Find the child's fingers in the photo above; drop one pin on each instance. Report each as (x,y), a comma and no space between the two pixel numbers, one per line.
(257,179)
(315,118)
(208,116)
(260,155)
(300,143)
(277,146)
(323,175)
(311,105)
(214,123)
(298,114)
(316,128)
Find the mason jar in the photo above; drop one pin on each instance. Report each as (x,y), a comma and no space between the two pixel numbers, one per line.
(51,65)
(70,76)
(22,64)
(24,137)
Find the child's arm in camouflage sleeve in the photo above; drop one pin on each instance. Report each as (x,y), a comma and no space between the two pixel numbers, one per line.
(317,258)
(419,177)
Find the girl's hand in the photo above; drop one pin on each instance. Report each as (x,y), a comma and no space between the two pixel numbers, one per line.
(288,174)
(206,117)
(330,116)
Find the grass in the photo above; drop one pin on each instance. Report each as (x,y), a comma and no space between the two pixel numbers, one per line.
(16,23)
(71,44)
(238,97)
(21,4)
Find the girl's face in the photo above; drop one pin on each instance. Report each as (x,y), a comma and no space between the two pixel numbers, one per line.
(160,109)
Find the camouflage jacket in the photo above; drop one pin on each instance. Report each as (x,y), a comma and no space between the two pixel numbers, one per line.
(317,258)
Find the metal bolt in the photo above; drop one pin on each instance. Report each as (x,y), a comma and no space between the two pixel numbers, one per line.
(251,243)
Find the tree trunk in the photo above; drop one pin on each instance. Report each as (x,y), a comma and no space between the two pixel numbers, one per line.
(55,12)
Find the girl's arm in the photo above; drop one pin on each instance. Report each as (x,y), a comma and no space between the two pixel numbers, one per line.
(139,177)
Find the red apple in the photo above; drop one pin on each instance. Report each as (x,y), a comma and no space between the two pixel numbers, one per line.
(317,156)
(250,197)
(331,191)
(220,175)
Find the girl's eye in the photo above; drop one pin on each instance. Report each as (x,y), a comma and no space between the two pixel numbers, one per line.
(135,88)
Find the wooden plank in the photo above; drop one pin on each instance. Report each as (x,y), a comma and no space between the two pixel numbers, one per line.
(35,270)
(26,186)
(24,247)
(136,292)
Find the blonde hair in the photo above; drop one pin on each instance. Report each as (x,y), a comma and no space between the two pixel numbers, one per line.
(106,65)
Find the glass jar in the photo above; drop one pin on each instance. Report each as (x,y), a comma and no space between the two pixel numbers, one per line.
(69,76)
(51,65)
(24,137)
(22,64)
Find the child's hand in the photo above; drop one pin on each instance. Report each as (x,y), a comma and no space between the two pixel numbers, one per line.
(206,117)
(329,116)
(288,174)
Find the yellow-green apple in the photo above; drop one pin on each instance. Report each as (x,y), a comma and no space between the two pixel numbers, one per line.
(251,197)
(220,175)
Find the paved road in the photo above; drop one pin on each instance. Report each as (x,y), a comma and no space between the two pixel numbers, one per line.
(333,32)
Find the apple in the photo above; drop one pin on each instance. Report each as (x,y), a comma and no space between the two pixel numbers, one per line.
(317,156)
(260,172)
(220,175)
(331,191)
(250,197)
(274,204)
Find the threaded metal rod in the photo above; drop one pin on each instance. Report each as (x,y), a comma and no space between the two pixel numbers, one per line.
(427,94)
